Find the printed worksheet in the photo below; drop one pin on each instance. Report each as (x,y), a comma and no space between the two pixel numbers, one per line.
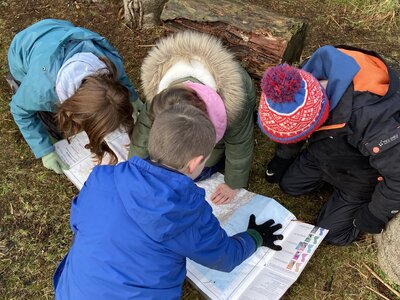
(81,161)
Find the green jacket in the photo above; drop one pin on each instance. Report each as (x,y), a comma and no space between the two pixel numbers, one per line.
(239,98)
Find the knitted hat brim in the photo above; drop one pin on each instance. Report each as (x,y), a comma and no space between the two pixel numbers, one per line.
(321,120)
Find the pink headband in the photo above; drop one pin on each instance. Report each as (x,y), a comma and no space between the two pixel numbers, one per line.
(215,107)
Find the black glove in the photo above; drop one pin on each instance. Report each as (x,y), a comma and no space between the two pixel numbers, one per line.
(365,221)
(276,168)
(265,232)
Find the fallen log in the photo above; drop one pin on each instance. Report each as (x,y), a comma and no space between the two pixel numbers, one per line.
(258,38)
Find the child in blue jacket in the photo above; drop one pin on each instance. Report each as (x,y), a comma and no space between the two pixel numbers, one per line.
(136,223)
(67,79)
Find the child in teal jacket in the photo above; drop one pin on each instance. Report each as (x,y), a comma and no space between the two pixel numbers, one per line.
(67,79)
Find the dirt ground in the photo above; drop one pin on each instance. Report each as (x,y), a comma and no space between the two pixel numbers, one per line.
(34,202)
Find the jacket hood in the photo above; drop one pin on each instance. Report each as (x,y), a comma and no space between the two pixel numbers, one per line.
(209,51)
(162,202)
(329,63)
(344,65)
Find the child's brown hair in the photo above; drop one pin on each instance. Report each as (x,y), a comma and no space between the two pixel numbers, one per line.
(99,106)
(180,133)
(175,95)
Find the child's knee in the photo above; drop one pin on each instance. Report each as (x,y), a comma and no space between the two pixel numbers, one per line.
(340,239)
(290,187)
(339,235)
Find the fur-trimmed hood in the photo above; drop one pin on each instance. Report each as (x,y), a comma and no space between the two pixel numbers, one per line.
(209,51)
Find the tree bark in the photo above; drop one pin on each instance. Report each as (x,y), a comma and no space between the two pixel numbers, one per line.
(259,39)
(143,13)
(388,244)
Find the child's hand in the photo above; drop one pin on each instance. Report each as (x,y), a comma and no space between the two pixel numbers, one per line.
(223,194)
(53,162)
(266,232)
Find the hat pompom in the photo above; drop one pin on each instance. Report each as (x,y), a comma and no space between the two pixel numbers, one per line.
(281,83)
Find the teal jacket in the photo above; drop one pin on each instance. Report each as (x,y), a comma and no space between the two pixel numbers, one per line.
(34,57)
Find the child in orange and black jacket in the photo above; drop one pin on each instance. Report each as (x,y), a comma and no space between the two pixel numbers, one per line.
(337,120)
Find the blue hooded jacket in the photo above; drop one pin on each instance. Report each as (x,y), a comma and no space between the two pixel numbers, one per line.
(328,62)
(134,225)
(34,57)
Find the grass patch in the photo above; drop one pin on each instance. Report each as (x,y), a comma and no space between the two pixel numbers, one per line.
(382,14)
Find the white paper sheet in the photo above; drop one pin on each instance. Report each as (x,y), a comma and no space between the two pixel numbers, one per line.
(81,161)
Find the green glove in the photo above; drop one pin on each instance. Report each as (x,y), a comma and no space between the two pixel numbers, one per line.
(53,162)
(137,107)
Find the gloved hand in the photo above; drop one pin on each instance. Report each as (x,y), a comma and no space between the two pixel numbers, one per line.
(263,234)
(137,106)
(276,168)
(365,221)
(53,162)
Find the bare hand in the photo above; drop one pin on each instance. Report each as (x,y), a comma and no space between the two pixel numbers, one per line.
(223,194)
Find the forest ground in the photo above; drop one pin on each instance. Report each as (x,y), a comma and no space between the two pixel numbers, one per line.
(35,202)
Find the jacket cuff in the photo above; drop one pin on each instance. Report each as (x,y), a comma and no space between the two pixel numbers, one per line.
(44,152)
(256,236)
(236,182)
(366,221)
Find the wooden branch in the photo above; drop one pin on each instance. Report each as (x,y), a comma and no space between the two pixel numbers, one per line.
(381,280)
(376,292)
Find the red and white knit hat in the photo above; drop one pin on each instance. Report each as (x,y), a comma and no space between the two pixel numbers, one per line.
(293,104)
